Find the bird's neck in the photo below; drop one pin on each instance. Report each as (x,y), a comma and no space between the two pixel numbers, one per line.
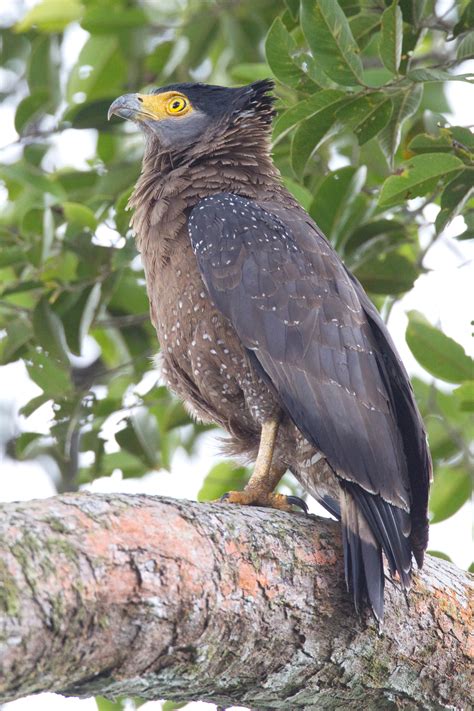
(172,183)
(225,165)
(228,163)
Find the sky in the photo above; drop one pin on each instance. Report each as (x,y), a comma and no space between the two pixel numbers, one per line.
(441,294)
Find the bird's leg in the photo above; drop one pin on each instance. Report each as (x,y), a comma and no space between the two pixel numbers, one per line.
(260,488)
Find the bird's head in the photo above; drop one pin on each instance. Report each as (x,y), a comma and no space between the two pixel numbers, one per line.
(179,115)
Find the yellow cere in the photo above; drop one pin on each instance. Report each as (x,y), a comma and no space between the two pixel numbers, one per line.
(169,103)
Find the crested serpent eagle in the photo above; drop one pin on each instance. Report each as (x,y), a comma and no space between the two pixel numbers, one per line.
(264,331)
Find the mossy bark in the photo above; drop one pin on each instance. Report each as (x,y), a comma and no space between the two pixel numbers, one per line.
(134,595)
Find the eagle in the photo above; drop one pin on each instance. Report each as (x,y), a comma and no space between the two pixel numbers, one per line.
(264,331)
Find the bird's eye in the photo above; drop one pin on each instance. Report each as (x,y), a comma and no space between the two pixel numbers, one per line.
(176,105)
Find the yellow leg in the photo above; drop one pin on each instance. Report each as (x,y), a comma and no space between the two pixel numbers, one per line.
(263,478)
(259,490)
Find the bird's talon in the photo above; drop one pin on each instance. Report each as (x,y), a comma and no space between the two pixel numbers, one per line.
(272,500)
(296,501)
(236,497)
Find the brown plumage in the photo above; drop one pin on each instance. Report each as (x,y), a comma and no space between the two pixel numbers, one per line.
(264,331)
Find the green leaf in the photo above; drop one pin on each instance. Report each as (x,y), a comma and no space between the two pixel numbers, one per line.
(43,67)
(456,190)
(404,105)
(49,374)
(49,331)
(366,115)
(129,465)
(34,404)
(419,177)
(469,231)
(129,296)
(279,46)
(248,72)
(304,109)
(99,72)
(112,18)
(293,7)
(18,334)
(90,115)
(334,197)
(425,143)
(413,11)
(172,705)
(390,273)
(157,60)
(104,704)
(450,490)
(174,416)
(391,38)
(26,445)
(80,215)
(223,477)
(330,39)
(380,232)
(313,70)
(31,107)
(79,318)
(288,63)
(463,136)
(50,16)
(423,75)
(107,146)
(437,353)
(442,445)
(12,255)
(29,176)
(455,197)
(465,396)
(363,26)
(122,214)
(465,48)
(466,21)
(298,191)
(48,234)
(350,7)
(140,437)
(77,184)
(121,704)
(311,132)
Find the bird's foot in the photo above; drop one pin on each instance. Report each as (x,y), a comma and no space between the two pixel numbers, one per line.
(252,497)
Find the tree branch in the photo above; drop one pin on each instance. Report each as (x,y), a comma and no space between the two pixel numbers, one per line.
(134,595)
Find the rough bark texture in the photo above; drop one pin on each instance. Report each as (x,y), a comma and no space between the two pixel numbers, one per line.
(134,595)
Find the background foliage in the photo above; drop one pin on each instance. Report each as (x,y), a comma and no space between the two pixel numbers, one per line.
(360,81)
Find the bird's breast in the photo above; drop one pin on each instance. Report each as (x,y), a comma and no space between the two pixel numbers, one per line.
(203,360)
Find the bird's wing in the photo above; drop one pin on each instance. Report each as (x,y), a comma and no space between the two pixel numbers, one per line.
(306,322)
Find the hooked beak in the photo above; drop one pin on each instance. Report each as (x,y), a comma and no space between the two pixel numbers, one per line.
(128,106)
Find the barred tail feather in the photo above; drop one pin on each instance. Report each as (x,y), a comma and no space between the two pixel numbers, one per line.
(372,525)
(362,557)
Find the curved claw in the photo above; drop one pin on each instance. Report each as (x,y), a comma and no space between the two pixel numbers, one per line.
(272,500)
(296,501)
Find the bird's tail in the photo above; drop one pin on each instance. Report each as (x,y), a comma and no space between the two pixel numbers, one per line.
(371,525)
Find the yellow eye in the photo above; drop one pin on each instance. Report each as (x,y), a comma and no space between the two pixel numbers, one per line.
(176,105)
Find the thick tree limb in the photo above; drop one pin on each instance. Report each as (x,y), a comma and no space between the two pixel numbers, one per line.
(167,599)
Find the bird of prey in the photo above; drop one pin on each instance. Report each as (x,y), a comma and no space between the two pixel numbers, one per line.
(265,332)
